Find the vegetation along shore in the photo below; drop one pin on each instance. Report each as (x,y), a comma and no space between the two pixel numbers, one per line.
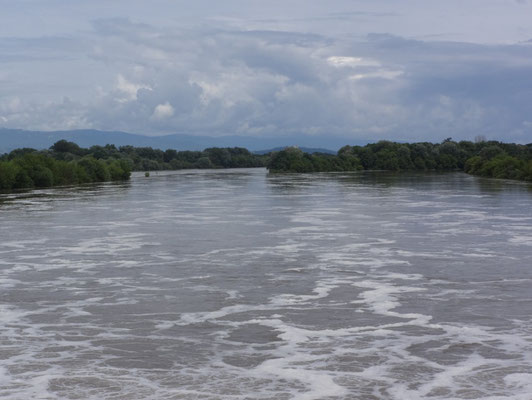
(65,163)
(483,158)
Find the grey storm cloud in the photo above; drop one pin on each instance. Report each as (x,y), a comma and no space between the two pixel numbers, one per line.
(272,74)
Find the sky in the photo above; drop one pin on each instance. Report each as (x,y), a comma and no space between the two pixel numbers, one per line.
(406,70)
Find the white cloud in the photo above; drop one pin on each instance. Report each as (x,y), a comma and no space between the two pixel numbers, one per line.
(353,62)
(163,111)
(128,90)
(380,73)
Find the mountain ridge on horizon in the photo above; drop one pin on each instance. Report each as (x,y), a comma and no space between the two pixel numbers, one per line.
(11,139)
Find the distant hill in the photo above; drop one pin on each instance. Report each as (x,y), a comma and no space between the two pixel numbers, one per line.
(16,138)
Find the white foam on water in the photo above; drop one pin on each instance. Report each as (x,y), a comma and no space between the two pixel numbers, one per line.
(521,240)
(22,244)
(521,381)
(5,378)
(9,283)
(321,291)
(335,304)
(381,298)
(199,317)
(11,314)
(233,294)
(317,385)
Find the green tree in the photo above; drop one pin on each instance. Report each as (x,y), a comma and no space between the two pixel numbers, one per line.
(64,146)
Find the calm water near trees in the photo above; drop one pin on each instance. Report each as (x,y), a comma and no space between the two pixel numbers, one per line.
(237,284)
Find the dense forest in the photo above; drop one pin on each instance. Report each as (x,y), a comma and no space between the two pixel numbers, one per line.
(65,163)
(484,158)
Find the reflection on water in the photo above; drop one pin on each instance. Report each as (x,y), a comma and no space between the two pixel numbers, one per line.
(238,284)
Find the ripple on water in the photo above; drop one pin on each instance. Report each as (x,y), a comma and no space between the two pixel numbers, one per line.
(238,285)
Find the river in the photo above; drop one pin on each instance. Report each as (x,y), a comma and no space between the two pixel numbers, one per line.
(237,284)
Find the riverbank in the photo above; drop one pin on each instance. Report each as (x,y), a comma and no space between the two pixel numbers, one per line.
(488,159)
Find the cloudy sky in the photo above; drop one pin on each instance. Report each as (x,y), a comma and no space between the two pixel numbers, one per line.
(379,69)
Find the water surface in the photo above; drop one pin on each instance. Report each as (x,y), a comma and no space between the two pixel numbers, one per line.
(236,284)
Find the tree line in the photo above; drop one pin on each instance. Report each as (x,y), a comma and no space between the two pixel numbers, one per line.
(483,158)
(149,159)
(66,163)
(27,168)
